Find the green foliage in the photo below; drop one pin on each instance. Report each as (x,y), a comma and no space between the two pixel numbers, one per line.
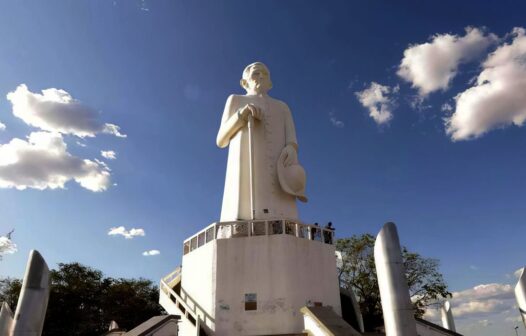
(9,290)
(358,273)
(83,302)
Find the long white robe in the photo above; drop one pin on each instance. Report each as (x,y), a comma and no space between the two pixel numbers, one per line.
(271,135)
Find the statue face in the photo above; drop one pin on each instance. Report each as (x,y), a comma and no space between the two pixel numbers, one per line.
(258,80)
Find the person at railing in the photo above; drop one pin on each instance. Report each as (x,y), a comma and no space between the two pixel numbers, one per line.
(314,232)
(328,233)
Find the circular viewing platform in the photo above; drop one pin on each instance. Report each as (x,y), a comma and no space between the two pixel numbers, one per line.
(240,229)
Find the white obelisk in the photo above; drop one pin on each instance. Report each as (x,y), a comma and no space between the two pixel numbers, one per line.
(33,299)
(6,319)
(520,295)
(396,304)
(447,316)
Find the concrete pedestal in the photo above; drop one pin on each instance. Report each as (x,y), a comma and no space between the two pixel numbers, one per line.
(256,285)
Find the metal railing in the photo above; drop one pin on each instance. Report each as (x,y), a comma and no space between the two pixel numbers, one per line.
(192,311)
(237,229)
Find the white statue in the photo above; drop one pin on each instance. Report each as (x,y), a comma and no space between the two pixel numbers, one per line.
(263,177)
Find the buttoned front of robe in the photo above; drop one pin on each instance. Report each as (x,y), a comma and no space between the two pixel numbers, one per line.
(270,135)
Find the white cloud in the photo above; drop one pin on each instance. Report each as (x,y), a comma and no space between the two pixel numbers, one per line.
(479,302)
(417,103)
(432,65)
(334,121)
(497,99)
(151,253)
(121,231)
(485,291)
(56,110)
(483,300)
(2,126)
(7,246)
(110,155)
(43,162)
(113,129)
(379,101)
(81,144)
(446,107)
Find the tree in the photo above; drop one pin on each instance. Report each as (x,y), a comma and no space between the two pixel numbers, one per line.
(83,302)
(357,273)
(9,290)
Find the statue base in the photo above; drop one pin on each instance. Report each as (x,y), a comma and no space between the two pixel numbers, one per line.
(253,277)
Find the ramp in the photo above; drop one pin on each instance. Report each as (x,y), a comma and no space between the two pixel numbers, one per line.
(323,321)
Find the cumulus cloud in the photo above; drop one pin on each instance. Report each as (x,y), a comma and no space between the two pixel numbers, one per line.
(480,301)
(55,110)
(483,300)
(379,100)
(42,161)
(151,253)
(2,126)
(128,234)
(497,99)
(7,246)
(110,155)
(432,65)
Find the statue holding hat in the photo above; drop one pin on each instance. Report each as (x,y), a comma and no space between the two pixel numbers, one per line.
(268,149)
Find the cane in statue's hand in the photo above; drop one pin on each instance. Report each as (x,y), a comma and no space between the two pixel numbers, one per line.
(251,166)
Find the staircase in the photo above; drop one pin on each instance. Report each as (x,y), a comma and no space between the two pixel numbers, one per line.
(194,320)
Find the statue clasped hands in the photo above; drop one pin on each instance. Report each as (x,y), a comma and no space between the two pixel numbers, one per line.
(250,109)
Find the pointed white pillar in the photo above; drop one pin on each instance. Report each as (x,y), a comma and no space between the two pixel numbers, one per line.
(113,326)
(520,295)
(6,319)
(447,316)
(396,304)
(33,299)
(357,311)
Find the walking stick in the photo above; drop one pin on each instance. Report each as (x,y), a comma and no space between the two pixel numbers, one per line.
(251,166)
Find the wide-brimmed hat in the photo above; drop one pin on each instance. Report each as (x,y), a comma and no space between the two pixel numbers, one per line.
(292,178)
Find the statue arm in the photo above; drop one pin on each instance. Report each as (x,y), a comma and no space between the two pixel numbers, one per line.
(231,123)
(290,130)
(291,144)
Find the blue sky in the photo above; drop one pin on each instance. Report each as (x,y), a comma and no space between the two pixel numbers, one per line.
(162,70)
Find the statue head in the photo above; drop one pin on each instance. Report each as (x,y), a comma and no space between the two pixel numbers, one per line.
(256,78)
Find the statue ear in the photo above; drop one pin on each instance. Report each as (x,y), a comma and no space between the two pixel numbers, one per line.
(243,83)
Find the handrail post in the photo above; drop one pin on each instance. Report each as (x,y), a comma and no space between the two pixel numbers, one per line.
(297,227)
(214,231)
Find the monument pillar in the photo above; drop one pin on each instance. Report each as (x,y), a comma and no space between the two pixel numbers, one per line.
(397,308)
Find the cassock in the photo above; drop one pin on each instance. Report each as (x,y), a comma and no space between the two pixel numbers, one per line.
(270,136)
